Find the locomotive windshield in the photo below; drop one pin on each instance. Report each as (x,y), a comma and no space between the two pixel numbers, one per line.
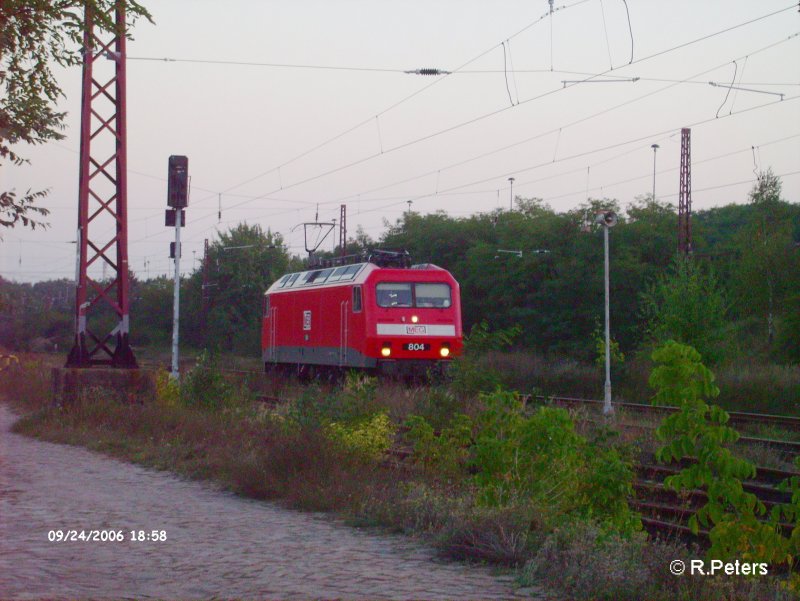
(402,294)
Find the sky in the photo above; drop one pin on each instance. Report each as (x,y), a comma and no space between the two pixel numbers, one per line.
(289,109)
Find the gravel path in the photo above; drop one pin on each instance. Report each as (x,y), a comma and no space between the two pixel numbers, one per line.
(218,545)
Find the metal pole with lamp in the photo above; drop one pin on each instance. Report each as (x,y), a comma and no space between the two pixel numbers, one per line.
(607,219)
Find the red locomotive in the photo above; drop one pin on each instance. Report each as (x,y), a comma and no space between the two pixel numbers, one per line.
(393,319)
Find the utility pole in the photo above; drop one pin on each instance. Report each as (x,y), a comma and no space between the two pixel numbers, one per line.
(655,148)
(343,230)
(511,194)
(205,294)
(685,194)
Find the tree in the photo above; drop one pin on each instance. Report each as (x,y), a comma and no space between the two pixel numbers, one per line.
(686,305)
(34,36)
(243,263)
(768,269)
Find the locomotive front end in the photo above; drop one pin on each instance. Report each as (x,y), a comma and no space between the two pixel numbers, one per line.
(417,319)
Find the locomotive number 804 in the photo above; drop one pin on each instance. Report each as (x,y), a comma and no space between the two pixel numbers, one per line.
(389,320)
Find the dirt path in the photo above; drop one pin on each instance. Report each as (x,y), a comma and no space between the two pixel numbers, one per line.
(218,545)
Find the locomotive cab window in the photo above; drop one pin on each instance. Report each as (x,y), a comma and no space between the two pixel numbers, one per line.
(393,295)
(356,299)
(403,294)
(432,295)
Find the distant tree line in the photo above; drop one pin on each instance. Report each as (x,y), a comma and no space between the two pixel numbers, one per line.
(737,295)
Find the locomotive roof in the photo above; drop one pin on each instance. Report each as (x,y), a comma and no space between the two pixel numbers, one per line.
(344,274)
(329,276)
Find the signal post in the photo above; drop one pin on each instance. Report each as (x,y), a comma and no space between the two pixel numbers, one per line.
(177,200)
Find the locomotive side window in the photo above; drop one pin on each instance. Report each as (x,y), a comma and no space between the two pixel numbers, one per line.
(336,275)
(393,295)
(350,272)
(318,277)
(356,299)
(432,295)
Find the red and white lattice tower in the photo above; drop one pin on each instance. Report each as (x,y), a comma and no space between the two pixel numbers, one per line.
(103,302)
(685,194)
(343,230)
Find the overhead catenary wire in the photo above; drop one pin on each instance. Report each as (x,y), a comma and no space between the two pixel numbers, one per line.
(630,28)
(522,102)
(549,131)
(611,146)
(512,71)
(397,103)
(733,81)
(647,137)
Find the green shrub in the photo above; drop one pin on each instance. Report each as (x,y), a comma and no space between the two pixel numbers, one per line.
(204,386)
(470,375)
(448,453)
(700,431)
(366,439)
(439,406)
(168,390)
(315,408)
(541,459)
(584,561)
(538,460)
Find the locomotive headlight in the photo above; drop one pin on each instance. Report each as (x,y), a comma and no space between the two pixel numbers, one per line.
(386,350)
(414,319)
(444,351)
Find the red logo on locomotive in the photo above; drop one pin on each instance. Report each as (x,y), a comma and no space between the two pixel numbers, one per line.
(416,330)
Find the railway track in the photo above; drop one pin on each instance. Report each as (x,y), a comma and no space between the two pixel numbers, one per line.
(789,448)
(664,512)
(785,422)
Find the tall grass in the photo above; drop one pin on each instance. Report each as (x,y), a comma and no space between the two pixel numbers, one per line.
(745,386)
(287,455)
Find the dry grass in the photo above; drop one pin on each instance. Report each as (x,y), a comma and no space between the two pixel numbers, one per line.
(245,447)
(27,384)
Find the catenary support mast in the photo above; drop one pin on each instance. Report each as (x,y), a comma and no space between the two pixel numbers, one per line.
(685,195)
(102,204)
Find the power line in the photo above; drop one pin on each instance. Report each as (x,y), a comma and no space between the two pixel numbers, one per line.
(545,133)
(611,146)
(498,111)
(394,105)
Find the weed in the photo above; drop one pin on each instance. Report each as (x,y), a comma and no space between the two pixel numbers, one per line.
(365,440)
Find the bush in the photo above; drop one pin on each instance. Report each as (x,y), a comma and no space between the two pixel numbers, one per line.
(438,406)
(446,454)
(470,374)
(366,440)
(168,390)
(586,562)
(315,408)
(541,459)
(205,386)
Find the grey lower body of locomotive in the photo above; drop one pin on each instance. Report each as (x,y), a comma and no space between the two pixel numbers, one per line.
(303,359)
